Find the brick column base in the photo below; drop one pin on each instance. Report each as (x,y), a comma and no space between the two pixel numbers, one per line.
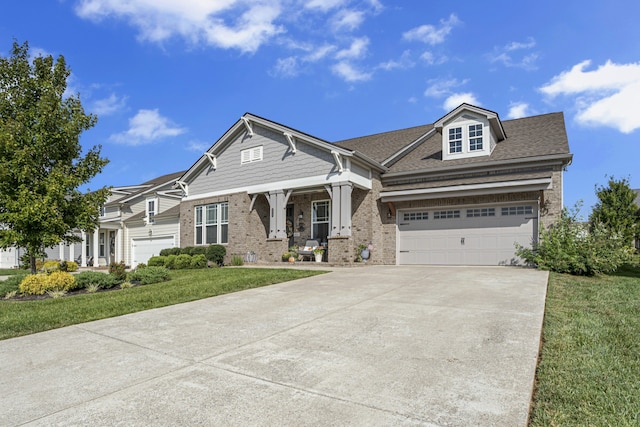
(274,249)
(341,250)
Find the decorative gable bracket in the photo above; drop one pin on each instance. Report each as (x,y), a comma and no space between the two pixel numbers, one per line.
(292,142)
(212,159)
(338,158)
(247,124)
(184,187)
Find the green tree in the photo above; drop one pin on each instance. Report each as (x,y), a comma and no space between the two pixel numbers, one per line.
(41,160)
(616,210)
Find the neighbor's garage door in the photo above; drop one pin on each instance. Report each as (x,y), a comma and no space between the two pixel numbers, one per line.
(143,249)
(472,236)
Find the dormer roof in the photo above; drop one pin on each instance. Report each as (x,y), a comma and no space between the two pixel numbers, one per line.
(492,116)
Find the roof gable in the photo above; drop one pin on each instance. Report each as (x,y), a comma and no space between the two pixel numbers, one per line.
(491,116)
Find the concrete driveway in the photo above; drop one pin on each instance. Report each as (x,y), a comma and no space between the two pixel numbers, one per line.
(370,346)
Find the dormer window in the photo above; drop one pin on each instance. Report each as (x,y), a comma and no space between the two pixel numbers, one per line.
(455,140)
(475,137)
(469,131)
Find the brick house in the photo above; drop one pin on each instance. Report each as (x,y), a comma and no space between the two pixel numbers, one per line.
(459,191)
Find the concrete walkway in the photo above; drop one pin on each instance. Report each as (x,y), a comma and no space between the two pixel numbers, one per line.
(373,346)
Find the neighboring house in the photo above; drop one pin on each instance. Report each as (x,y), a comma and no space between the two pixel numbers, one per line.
(460,191)
(135,223)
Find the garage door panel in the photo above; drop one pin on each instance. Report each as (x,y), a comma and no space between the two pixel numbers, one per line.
(143,249)
(488,240)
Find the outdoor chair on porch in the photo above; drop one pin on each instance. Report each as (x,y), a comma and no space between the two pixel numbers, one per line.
(307,250)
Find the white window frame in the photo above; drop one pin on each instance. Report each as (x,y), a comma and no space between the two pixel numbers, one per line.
(153,210)
(469,137)
(211,215)
(251,155)
(103,211)
(314,217)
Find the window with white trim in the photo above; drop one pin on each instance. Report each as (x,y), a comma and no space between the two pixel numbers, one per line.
(517,210)
(446,214)
(455,140)
(251,155)
(415,216)
(480,212)
(212,224)
(320,220)
(152,209)
(103,211)
(475,137)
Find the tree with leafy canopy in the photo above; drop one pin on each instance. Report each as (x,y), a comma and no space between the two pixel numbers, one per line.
(616,209)
(42,164)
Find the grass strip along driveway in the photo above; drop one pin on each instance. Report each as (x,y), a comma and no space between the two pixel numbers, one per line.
(27,317)
(589,371)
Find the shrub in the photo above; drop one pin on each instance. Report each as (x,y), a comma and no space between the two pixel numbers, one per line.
(69,266)
(216,253)
(198,261)
(198,250)
(183,261)
(118,270)
(188,250)
(156,261)
(141,265)
(286,256)
(103,281)
(568,247)
(148,275)
(50,266)
(12,282)
(170,251)
(237,260)
(38,284)
(170,261)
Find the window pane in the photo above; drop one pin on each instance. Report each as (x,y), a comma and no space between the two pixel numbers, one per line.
(224,233)
(212,214)
(199,235)
(199,215)
(225,212)
(212,234)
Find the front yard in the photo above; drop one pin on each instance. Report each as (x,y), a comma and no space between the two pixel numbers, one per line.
(27,317)
(589,371)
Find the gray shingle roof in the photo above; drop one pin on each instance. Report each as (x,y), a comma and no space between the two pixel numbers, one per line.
(535,136)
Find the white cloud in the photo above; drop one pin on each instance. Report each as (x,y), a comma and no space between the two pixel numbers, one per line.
(110,105)
(198,146)
(456,99)
(358,49)
(194,20)
(442,87)
(145,127)
(403,63)
(286,67)
(347,20)
(431,34)
(324,5)
(518,110)
(607,96)
(349,73)
(319,53)
(507,55)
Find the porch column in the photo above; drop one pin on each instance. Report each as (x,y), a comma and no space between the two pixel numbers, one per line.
(83,250)
(96,247)
(118,254)
(340,209)
(72,252)
(345,209)
(61,251)
(277,214)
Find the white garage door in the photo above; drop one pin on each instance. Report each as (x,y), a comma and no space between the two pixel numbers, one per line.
(468,236)
(143,249)
(8,258)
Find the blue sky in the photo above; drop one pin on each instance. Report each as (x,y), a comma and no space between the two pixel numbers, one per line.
(167,78)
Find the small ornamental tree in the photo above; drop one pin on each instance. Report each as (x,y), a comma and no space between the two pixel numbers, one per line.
(616,210)
(42,164)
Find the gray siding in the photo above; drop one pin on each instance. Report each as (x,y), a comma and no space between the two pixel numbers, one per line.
(359,170)
(277,164)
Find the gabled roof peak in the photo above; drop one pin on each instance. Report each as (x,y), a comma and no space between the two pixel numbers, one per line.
(492,116)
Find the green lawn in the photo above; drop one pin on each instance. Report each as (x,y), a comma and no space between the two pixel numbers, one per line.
(10,271)
(27,317)
(589,372)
